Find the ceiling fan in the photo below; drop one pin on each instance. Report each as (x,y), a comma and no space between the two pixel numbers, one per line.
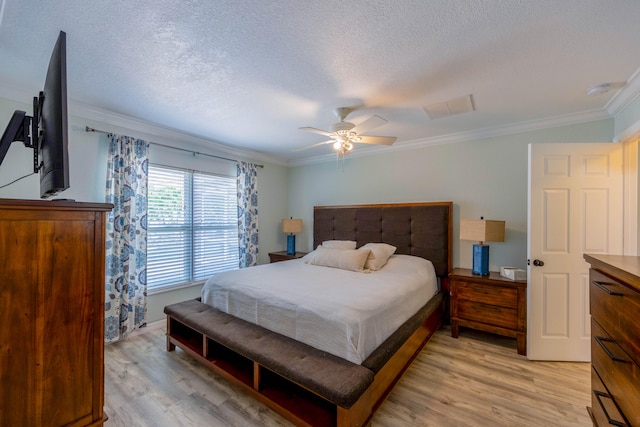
(345,134)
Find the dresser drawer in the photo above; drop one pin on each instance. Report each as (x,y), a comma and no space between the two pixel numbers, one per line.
(488,294)
(488,314)
(618,372)
(617,309)
(603,407)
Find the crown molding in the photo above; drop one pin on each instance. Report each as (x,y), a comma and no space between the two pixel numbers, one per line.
(490,132)
(625,96)
(632,131)
(89,112)
(170,135)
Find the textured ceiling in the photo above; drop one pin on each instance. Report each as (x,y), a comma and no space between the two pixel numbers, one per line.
(249,73)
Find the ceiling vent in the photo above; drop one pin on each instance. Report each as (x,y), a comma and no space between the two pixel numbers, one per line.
(452,107)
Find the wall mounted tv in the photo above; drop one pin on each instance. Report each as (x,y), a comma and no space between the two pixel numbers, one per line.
(46,132)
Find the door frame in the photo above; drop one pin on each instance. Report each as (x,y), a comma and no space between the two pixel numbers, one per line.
(630,193)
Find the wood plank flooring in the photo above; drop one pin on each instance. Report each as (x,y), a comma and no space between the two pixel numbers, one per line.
(476,380)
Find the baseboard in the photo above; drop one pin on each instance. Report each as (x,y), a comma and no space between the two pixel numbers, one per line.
(150,327)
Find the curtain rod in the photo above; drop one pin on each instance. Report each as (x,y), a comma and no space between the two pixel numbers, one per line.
(90,129)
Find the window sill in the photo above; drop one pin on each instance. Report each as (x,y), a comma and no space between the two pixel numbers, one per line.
(164,289)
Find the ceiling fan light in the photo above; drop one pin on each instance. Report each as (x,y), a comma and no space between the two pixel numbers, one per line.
(344,135)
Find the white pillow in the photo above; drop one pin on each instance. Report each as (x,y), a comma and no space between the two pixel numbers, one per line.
(309,256)
(339,244)
(345,259)
(379,254)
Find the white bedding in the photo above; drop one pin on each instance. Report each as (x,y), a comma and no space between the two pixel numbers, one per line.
(346,313)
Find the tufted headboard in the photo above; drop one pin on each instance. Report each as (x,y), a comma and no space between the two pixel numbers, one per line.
(419,229)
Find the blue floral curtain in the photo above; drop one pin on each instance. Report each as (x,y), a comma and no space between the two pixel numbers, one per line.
(126,276)
(247,214)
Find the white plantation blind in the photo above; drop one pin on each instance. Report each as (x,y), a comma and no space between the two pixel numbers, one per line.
(192,226)
(215,225)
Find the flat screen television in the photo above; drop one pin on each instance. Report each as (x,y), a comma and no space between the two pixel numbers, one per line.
(46,132)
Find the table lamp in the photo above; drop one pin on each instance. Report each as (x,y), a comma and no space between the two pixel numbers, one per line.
(482,230)
(291,226)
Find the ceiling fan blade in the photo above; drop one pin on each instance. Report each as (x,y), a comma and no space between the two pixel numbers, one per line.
(314,145)
(379,140)
(314,130)
(369,124)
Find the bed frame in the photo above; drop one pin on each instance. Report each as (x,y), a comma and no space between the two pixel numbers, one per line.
(303,384)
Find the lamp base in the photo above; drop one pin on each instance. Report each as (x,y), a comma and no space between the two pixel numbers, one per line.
(480,260)
(291,244)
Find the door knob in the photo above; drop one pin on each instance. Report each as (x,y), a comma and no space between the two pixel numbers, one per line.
(538,263)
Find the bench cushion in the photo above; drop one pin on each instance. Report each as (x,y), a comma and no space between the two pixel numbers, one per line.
(337,380)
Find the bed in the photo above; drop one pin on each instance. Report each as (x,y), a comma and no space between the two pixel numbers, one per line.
(343,312)
(299,378)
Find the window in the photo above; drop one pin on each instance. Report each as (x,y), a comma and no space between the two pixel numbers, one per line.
(192,226)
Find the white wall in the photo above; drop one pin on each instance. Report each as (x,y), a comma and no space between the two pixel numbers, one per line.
(627,120)
(87,170)
(485,177)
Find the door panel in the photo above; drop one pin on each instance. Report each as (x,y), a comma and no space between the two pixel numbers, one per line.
(556,221)
(555,293)
(575,207)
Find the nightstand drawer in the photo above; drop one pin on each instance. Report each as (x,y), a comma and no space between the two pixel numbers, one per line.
(488,294)
(284,256)
(279,257)
(503,317)
(489,303)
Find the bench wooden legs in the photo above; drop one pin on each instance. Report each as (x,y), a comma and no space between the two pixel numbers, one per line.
(170,346)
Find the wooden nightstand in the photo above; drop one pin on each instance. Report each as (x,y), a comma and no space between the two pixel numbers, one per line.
(282,256)
(489,303)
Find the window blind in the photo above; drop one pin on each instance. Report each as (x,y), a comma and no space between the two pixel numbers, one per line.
(192,226)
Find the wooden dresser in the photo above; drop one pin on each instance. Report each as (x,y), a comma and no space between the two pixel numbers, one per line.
(52,265)
(489,303)
(614,290)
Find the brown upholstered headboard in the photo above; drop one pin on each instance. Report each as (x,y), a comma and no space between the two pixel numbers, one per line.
(419,229)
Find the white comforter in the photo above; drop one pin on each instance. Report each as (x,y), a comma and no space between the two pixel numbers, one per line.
(342,312)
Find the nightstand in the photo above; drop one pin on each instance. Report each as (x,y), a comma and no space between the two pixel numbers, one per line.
(489,303)
(282,256)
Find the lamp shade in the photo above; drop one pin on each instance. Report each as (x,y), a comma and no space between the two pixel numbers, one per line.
(482,230)
(291,225)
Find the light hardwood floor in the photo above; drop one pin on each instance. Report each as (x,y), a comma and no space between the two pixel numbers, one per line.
(476,380)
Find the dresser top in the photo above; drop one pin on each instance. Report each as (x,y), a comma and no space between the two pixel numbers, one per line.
(626,268)
(35,204)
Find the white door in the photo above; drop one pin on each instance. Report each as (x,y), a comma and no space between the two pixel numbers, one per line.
(575,207)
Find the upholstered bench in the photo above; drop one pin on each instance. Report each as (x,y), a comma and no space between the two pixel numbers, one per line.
(305,385)
(337,380)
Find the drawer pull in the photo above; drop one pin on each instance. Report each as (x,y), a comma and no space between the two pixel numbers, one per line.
(611,421)
(485,289)
(603,286)
(600,341)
